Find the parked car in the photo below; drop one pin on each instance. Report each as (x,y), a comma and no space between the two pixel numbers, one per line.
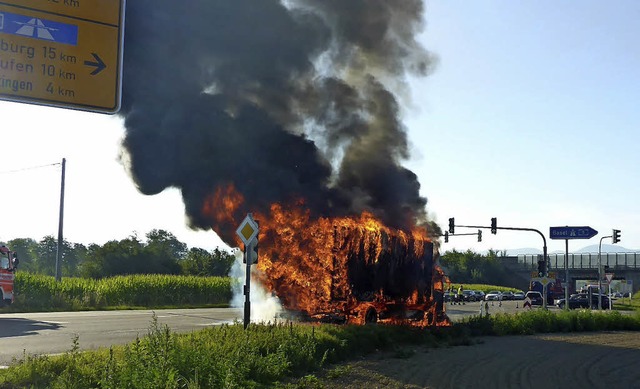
(535,297)
(508,295)
(479,294)
(581,300)
(447,296)
(470,295)
(494,295)
(518,295)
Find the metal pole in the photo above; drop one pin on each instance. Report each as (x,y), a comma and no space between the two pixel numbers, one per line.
(566,274)
(545,287)
(600,271)
(247,287)
(59,252)
(600,274)
(544,251)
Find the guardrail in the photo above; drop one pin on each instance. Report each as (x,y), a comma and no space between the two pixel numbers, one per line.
(627,260)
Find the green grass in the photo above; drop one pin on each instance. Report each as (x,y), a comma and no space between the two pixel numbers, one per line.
(218,357)
(484,287)
(270,353)
(42,293)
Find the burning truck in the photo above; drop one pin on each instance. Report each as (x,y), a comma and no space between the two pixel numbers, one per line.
(349,269)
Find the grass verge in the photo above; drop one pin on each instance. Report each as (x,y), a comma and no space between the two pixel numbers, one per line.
(266,354)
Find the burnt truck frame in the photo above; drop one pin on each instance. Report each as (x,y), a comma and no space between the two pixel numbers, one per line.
(401,284)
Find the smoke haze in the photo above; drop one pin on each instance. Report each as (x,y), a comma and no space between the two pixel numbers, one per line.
(283,99)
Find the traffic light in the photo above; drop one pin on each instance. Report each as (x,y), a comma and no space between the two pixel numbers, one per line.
(479,235)
(616,236)
(446,237)
(452,225)
(252,252)
(494,225)
(542,268)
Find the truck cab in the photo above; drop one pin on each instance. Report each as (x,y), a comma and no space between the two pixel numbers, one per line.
(8,265)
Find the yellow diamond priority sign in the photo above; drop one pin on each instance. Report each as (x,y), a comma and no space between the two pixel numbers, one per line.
(248,229)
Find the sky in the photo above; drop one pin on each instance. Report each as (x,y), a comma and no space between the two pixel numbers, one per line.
(530,116)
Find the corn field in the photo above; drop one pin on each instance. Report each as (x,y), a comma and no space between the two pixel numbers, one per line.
(39,292)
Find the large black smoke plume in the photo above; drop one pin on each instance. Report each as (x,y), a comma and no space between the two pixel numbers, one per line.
(284,99)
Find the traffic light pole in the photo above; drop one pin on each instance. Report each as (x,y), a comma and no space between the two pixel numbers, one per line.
(600,272)
(469,234)
(544,251)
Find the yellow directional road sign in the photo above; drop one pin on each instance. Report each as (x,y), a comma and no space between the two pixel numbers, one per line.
(64,53)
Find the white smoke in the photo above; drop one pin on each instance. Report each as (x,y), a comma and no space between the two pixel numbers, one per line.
(265,307)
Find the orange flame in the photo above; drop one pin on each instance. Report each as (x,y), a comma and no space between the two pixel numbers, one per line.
(345,266)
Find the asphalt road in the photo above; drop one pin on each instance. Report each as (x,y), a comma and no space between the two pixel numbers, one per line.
(457,312)
(53,332)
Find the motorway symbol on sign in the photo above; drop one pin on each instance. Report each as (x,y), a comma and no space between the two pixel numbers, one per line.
(572,232)
(62,53)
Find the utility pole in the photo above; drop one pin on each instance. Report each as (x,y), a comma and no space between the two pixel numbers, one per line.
(60,238)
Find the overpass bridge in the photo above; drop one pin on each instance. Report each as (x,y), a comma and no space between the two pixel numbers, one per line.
(583,267)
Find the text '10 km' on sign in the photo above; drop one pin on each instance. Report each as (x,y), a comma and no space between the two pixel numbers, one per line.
(62,53)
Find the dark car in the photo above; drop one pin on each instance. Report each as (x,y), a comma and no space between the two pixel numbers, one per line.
(581,300)
(507,295)
(479,294)
(470,295)
(535,297)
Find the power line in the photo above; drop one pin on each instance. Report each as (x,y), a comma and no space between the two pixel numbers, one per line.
(29,168)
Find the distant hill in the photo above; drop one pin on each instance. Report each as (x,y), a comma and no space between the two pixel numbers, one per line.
(606,248)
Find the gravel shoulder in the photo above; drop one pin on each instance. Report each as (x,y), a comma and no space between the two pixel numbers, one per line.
(576,360)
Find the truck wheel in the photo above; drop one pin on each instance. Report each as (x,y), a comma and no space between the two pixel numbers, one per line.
(371,317)
(430,319)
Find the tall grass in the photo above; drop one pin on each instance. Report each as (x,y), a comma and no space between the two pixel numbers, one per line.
(39,292)
(230,357)
(218,357)
(541,321)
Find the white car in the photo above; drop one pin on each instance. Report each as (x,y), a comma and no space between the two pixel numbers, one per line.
(494,295)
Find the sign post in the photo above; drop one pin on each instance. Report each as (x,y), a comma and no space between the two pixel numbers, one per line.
(567,233)
(248,233)
(62,53)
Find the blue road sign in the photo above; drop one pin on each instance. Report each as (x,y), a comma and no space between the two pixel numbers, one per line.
(572,232)
(28,26)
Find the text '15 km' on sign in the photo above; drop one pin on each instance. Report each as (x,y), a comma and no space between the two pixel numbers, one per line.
(62,53)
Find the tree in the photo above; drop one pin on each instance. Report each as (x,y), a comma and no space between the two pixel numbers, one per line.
(472,267)
(161,242)
(200,262)
(46,256)
(26,249)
